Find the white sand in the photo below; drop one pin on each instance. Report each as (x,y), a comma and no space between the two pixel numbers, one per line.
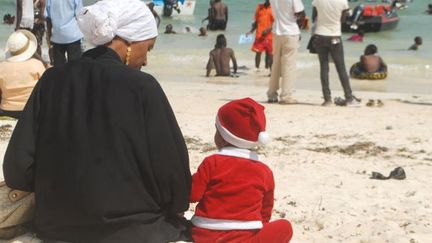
(328,195)
(322,184)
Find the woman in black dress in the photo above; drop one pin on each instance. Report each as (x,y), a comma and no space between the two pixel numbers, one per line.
(98,142)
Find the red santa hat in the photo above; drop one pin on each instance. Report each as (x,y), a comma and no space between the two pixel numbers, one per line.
(242,123)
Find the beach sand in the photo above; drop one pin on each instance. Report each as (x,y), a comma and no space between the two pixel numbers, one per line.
(322,158)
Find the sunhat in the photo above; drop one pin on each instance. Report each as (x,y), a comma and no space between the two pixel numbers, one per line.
(20,46)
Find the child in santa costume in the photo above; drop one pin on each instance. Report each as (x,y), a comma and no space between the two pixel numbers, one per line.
(234,190)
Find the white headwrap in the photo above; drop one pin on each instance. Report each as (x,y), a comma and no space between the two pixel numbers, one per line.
(131,20)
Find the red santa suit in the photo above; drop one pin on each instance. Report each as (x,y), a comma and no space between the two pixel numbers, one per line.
(234,192)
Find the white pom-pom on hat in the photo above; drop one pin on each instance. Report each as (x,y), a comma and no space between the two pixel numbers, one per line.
(263,138)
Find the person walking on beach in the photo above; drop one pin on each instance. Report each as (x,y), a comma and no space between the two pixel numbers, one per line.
(98,141)
(286,39)
(234,190)
(263,37)
(328,16)
(31,16)
(62,30)
(219,58)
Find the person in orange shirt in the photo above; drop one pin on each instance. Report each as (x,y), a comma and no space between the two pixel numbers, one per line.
(19,73)
(263,37)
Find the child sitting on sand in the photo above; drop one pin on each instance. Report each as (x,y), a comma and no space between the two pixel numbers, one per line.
(234,190)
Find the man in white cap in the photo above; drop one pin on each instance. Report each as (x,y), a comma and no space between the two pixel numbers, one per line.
(98,141)
(19,73)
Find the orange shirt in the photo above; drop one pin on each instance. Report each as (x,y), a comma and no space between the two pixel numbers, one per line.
(264,20)
(17,80)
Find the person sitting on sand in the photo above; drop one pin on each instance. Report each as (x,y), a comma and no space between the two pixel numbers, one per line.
(169,29)
(357,37)
(234,190)
(220,58)
(418,41)
(202,31)
(19,73)
(370,62)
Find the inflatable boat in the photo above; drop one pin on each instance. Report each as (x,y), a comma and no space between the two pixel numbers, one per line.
(371,18)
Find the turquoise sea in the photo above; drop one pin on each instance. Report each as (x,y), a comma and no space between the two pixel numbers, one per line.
(410,71)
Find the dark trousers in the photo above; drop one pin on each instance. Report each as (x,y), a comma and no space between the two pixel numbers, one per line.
(330,45)
(73,51)
(217,24)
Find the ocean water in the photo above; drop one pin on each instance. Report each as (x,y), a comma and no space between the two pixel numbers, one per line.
(409,71)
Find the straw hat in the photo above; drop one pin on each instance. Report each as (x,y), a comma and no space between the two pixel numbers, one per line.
(20,46)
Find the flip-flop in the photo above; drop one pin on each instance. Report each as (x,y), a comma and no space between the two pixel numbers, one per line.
(370,103)
(380,103)
(398,174)
(378,176)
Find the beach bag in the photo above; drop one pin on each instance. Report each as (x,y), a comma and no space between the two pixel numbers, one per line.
(16,208)
(310,45)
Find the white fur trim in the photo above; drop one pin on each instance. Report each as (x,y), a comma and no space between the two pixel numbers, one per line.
(239,153)
(225,224)
(263,138)
(233,139)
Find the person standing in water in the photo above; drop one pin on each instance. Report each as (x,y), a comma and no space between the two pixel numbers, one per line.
(263,37)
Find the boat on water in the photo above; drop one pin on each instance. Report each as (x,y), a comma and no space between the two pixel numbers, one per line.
(186,7)
(371,18)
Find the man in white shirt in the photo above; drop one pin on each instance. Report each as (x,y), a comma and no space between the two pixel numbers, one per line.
(286,36)
(328,16)
(30,16)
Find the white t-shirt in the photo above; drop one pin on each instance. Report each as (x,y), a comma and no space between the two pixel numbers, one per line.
(284,14)
(329,16)
(27,19)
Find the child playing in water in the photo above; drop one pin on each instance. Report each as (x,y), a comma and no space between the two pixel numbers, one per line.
(370,62)
(417,42)
(169,29)
(234,190)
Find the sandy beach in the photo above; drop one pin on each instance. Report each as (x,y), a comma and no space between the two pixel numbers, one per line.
(322,158)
